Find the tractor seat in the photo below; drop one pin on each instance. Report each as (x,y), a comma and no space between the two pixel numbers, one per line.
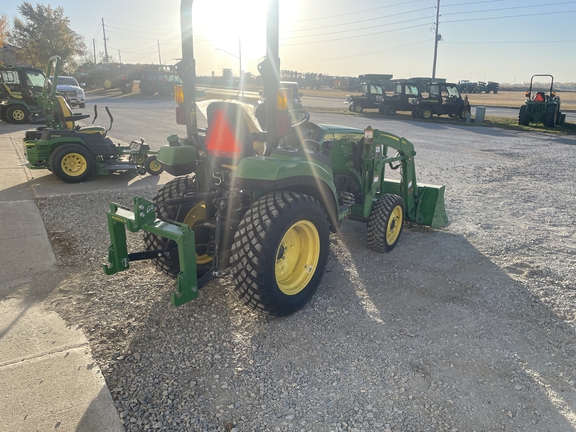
(540,97)
(63,114)
(232,134)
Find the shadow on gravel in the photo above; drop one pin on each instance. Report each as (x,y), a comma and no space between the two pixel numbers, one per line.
(432,334)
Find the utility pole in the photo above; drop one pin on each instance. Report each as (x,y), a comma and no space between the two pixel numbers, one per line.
(105,46)
(159,58)
(94,47)
(240,77)
(436,41)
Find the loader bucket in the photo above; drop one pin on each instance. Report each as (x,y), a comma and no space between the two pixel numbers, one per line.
(430,209)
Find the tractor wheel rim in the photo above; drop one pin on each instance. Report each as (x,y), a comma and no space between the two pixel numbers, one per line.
(297,257)
(394,225)
(18,114)
(197,214)
(155,166)
(139,160)
(74,164)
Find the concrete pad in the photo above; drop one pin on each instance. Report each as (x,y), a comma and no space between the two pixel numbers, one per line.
(14,185)
(56,392)
(24,242)
(27,331)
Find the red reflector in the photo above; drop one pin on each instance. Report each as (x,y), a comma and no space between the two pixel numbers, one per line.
(220,139)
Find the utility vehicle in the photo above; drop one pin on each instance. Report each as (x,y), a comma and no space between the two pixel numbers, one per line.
(405,93)
(19,88)
(259,206)
(442,99)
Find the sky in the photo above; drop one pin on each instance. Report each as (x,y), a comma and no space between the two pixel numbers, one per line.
(506,41)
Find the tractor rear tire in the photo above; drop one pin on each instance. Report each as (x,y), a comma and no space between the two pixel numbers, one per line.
(523,116)
(126,87)
(153,166)
(416,113)
(280,252)
(357,108)
(107,84)
(549,118)
(179,213)
(17,114)
(385,223)
(3,115)
(71,163)
(426,113)
(143,87)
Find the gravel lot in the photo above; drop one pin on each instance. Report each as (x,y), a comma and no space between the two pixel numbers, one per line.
(470,327)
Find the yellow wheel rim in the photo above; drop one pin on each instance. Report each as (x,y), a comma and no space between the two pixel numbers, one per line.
(139,160)
(426,114)
(297,257)
(74,164)
(198,213)
(155,166)
(18,115)
(394,225)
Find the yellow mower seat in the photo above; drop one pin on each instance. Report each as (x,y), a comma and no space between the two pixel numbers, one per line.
(64,113)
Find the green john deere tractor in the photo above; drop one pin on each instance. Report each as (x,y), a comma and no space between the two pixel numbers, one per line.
(73,152)
(260,206)
(541,107)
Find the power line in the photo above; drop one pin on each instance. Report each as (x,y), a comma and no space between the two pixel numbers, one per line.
(508,16)
(360,21)
(364,54)
(357,12)
(363,28)
(508,8)
(353,37)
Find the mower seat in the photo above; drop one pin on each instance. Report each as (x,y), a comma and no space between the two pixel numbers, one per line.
(63,114)
(540,97)
(231,134)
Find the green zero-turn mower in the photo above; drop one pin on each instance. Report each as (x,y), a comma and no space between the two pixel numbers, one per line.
(74,152)
(260,206)
(541,107)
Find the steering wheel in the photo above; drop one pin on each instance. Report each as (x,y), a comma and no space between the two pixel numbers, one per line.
(304,113)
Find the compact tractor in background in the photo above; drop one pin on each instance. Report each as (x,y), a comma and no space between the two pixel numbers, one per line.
(73,153)
(541,107)
(259,206)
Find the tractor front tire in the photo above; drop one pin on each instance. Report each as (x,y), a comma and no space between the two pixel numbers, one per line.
(357,108)
(126,87)
(17,114)
(385,223)
(426,113)
(523,116)
(280,252)
(549,118)
(188,214)
(153,166)
(107,84)
(72,163)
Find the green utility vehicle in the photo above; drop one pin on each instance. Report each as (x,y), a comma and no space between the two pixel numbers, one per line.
(441,99)
(541,107)
(19,88)
(73,152)
(259,206)
(405,94)
(371,97)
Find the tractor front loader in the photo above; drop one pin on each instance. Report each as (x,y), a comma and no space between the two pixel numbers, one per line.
(259,206)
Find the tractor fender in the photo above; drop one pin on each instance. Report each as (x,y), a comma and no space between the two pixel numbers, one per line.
(267,174)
